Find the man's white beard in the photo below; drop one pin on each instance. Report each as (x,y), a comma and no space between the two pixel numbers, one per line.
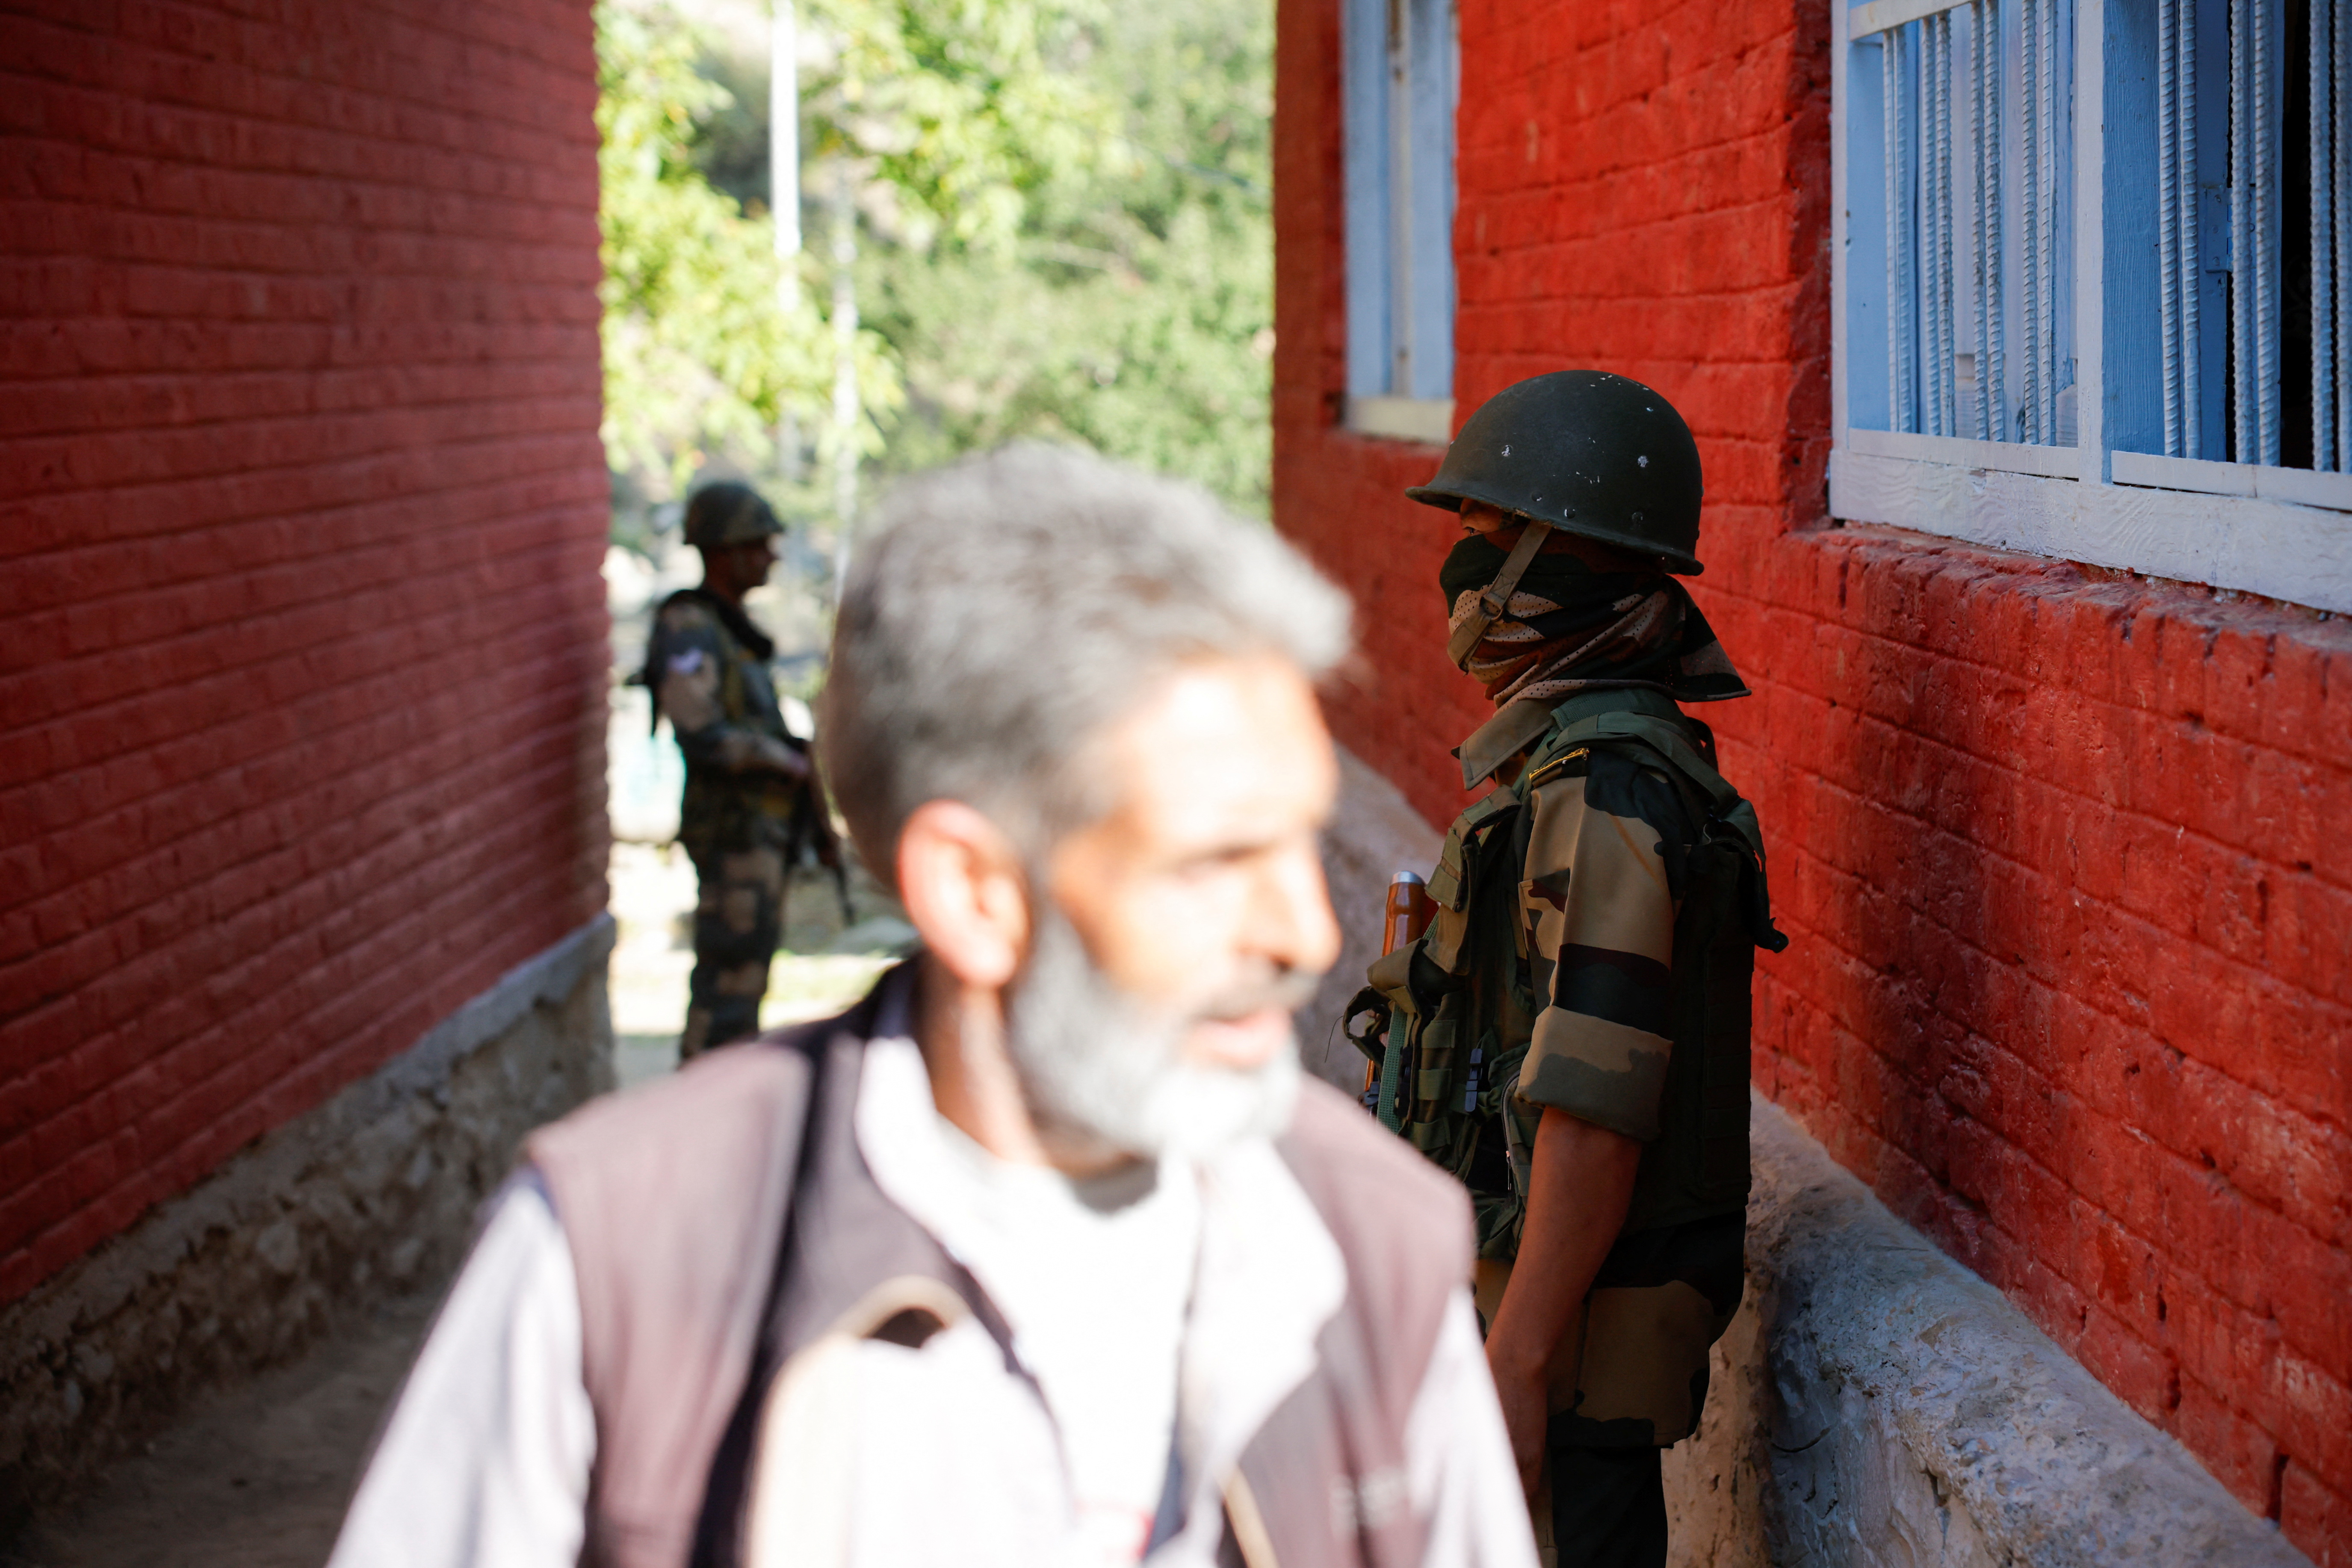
(1097,1065)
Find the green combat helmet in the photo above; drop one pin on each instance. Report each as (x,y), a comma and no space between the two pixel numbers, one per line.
(1589,453)
(729,513)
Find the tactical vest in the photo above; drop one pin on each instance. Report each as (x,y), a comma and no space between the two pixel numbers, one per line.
(721,811)
(1461,1004)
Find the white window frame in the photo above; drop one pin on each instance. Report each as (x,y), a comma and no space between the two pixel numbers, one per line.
(1400,81)
(2284,533)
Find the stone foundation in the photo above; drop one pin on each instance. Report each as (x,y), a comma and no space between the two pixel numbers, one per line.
(371,1194)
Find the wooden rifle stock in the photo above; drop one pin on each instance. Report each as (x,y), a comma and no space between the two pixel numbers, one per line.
(1407,915)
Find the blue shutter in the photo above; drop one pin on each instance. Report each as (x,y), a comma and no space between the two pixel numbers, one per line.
(1399,82)
(1961,201)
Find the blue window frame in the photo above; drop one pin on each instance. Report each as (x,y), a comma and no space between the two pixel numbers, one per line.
(1399,85)
(2093,270)
(1964,242)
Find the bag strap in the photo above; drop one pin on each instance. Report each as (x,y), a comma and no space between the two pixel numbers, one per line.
(1671,742)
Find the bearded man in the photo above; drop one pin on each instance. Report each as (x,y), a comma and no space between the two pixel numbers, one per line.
(1047,1252)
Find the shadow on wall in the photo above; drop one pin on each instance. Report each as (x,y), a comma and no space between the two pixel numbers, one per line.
(1961,945)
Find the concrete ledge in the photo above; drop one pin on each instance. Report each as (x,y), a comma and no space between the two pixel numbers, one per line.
(1877,1404)
(370,1195)
(1427,420)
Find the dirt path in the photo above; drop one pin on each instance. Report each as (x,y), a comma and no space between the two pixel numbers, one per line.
(253,1478)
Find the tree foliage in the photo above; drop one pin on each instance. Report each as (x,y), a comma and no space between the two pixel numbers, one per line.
(1062,220)
(701,355)
(1132,307)
(961,110)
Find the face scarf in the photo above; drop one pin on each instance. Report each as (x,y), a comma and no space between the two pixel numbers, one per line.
(1569,628)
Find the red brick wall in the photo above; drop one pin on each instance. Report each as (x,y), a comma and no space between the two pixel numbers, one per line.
(2066,858)
(301,628)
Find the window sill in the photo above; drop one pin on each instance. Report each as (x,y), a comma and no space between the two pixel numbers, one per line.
(2261,543)
(2006,457)
(2298,487)
(1429,420)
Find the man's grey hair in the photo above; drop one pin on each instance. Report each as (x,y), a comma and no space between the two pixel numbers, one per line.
(1011,606)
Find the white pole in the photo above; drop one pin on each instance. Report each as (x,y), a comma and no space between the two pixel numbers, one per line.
(784,147)
(844,371)
(784,195)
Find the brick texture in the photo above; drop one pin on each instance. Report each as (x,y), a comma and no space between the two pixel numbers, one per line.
(302,637)
(2065,855)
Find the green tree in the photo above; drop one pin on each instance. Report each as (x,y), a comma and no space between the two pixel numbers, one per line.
(1064,222)
(961,110)
(1130,305)
(703,356)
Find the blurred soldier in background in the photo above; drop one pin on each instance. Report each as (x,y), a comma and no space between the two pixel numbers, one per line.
(750,800)
(1570,1036)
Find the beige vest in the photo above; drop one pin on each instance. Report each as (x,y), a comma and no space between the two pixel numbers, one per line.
(723,1220)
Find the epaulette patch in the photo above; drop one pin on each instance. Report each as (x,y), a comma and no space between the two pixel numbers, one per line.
(1556,767)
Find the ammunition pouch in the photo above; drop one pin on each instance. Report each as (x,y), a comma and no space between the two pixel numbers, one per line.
(1455,1033)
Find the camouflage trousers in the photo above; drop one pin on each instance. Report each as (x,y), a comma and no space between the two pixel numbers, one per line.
(737,921)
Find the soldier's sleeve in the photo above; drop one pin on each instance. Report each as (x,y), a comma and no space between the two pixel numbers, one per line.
(686,659)
(1600,910)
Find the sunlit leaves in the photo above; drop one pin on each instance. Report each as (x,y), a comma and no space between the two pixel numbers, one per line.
(701,352)
(966,108)
(1132,309)
(1064,224)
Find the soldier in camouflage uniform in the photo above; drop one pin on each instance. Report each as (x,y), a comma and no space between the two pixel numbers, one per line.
(750,798)
(1570,1036)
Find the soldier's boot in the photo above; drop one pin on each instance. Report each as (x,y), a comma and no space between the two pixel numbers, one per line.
(1608,1508)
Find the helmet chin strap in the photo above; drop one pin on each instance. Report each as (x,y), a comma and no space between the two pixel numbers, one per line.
(1496,595)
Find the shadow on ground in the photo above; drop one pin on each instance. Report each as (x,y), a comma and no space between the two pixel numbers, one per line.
(253,1478)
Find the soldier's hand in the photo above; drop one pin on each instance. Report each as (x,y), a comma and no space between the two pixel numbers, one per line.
(1523,1395)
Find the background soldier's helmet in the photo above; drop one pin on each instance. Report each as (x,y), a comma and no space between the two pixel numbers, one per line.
(1592,454)
(729,513)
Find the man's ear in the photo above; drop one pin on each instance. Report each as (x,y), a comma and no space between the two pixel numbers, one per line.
(961,879)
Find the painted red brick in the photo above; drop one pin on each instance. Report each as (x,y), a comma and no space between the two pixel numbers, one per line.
(2310,1511)
(301,628)
(2065,855)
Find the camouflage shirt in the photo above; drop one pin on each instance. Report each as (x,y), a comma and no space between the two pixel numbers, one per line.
(707,664)
(1597,909)
(1591,953)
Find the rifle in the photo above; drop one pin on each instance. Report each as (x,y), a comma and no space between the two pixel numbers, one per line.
(812,837)
(1404,919)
